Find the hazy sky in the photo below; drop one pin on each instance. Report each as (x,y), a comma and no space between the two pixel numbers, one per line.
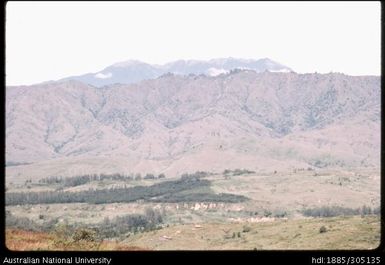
(52,40)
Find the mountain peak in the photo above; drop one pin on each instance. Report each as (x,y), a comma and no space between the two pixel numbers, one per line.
(127,63)
(132,71)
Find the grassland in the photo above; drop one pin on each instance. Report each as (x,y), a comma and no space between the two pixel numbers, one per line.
(341,233)
(272,214)
(21,240)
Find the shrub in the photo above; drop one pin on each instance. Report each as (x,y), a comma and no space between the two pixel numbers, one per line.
(68,238)
(62,235)
(267,213)
(84,234)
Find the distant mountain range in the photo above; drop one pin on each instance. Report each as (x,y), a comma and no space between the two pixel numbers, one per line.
(183,123)
(133,71)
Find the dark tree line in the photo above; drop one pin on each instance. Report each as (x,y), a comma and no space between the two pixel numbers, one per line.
(166,191)
(83,179)
(331,211)
(237,172)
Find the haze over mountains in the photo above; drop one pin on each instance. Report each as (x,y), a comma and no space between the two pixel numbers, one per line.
(183,122)
(133,71)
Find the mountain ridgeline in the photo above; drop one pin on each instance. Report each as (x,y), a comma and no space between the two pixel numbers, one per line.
(178,123)
(133,71)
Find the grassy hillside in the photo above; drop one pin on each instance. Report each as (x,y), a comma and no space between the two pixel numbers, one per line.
(314,233)
(341,233)
(28,240)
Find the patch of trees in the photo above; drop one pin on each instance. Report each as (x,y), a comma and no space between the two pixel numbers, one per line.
(83,179)
(146,192)
(149,176)
(13,164)
(19,222)
(237,172)
(166,191)
(196,175)
(25,223)
(150,220)
(332,211)
(108,228)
